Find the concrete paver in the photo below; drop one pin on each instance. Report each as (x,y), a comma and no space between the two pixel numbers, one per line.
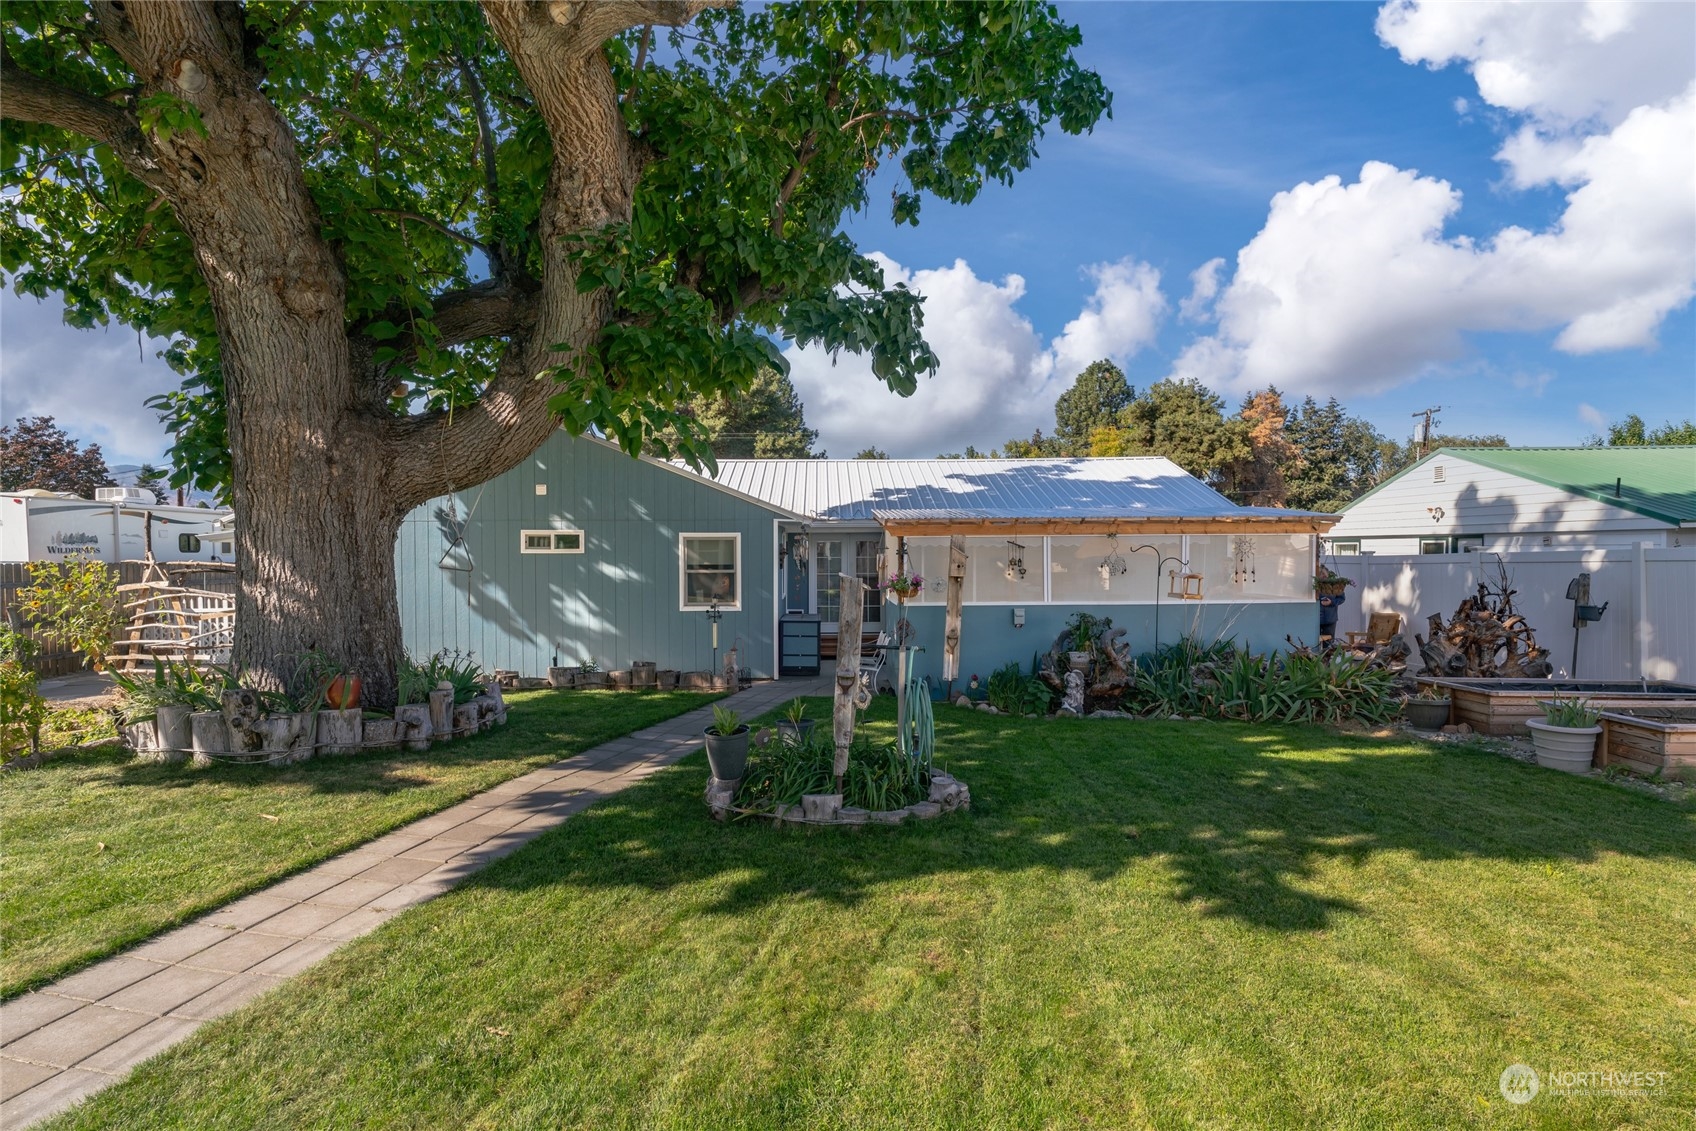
(89,1029)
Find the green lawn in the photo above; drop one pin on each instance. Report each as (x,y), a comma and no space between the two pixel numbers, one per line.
(1139,924)
(101,851)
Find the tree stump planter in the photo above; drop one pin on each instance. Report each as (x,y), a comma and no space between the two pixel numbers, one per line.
(143,738)
(465,720)
(562,678)
(644,675)
(665,679)
(340,732)
(174,738)
(620,680)
(412,720)
(382,734)
(591,679)
(441,712)
(485,704)
(209,737)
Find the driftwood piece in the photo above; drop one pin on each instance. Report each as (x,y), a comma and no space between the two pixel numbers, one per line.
(847,674)
(1485,639)
(951,621)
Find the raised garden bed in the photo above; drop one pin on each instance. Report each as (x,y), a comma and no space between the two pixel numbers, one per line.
(1503,706)
(1650,740)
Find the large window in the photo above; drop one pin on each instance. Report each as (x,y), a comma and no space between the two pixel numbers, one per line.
(1101,570)
(550,541)
(711,571)
(1253,567)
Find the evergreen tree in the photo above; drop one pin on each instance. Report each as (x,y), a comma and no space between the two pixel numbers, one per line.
(1095,400)
(871,453)
(1037,447)
(1338,456)
(1183,421)
(764,421)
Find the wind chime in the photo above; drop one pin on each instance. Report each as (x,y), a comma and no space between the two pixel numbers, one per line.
(1114,564)
(1242,559)
(1015,561)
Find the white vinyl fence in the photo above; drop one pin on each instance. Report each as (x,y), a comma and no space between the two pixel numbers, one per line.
(1648,632)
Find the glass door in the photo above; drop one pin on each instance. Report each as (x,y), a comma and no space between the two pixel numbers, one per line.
(827,582)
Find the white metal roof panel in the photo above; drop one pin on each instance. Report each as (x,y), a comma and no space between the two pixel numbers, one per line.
(866,490)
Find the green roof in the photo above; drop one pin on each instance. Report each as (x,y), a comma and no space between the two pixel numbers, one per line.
(1658,481)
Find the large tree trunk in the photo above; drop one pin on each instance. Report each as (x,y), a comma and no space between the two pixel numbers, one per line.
(322,471)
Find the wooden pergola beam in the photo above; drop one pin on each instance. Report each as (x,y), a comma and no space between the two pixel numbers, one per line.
(1259,524)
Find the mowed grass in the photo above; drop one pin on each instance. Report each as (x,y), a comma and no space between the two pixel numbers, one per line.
(1140,924)
(102,851)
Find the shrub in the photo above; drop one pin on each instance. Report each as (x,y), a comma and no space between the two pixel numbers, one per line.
(879,775)
(415,681)
(173,684)
(74,604)
(1219,681)
(22,711)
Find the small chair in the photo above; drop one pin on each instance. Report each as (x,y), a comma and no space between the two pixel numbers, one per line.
(871,661)
(1380,629)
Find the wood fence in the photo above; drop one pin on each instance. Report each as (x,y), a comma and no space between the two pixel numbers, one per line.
(53,659)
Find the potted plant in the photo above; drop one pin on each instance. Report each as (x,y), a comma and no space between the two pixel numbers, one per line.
(1428,710)
(727,745)
(795,726)
(1566,738)
(905,586)
(1327,583)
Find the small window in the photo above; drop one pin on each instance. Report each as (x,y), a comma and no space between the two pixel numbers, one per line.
(1467,543)
(1433,545)
(551,541)
(188,543)
(1346,546)
(711,570)
(226,547)
(1436,473)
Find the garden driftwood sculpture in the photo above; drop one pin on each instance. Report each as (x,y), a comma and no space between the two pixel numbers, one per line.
(1109,668)
(1485,639)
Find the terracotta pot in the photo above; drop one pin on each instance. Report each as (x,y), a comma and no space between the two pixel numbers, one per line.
(343,693)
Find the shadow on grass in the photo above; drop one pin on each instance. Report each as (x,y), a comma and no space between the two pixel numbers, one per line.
(1241,818)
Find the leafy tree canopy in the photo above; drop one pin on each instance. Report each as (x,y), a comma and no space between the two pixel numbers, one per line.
(871,453)
(428,136)
(1633,433)
(37,454)
(1181,420)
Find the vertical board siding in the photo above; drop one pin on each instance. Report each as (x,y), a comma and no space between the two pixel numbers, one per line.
(1648,631)
(615,603)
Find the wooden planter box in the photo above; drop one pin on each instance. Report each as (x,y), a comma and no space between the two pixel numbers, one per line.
(1504,706)
(1650,740)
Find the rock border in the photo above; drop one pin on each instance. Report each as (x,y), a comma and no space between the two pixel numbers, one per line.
(947,795)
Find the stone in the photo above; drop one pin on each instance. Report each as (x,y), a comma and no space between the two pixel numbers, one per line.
(1068,712)
(1110,715)
(1458,728)
(987,709)
(963,700)
(850,815)
(925,810)
(889,816)
(821,807)
(1073,700)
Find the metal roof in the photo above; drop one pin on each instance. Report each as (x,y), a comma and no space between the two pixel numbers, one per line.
(846,490)
(1658,481)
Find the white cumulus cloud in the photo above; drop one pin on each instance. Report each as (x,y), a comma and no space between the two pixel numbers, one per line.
(1204,288)
(996,378)
(1357,286)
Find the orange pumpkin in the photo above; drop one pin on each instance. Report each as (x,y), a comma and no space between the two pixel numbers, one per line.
(343,692)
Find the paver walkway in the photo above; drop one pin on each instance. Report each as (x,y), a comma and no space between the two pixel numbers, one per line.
(86,1031)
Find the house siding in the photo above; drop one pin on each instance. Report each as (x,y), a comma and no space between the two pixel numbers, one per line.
(1509,511)
(615,603)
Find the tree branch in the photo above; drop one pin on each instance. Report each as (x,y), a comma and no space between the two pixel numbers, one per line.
(590,23)
(491,175)
(30,98)
(430,222)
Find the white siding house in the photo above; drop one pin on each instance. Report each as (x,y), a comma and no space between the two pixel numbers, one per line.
(1505,500)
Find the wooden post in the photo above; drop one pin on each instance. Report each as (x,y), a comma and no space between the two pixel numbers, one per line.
(956,589)
(847,672)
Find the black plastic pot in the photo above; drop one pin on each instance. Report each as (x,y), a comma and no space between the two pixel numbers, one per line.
(727,754)
(1426,714)
(795,734)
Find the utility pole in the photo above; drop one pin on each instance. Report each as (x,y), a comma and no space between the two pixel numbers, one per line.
(1424,437)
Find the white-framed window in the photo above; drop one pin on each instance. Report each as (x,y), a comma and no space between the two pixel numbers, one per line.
(1433,545)
(1346,546)
(709,571)
(550,541)
(1467,543)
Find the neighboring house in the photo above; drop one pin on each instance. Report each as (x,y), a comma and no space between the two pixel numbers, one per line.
(582,553)
(1502,500)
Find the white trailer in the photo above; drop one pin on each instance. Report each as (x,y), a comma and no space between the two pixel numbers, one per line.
(120,524)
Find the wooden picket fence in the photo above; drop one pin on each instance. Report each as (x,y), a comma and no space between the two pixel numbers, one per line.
(184,610)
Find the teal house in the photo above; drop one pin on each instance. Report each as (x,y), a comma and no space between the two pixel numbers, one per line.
(582,553)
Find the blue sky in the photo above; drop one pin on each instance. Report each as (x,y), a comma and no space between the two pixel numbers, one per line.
(1363,290)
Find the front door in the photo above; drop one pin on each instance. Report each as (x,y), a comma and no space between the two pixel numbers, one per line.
(828,566)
